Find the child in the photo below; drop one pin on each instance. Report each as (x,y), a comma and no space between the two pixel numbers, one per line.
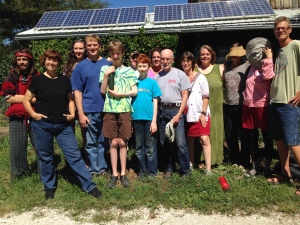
(117,108)
(144,119)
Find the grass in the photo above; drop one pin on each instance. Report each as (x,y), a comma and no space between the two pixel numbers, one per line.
(198,192)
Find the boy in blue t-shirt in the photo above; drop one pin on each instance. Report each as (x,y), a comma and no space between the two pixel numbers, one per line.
(144,119)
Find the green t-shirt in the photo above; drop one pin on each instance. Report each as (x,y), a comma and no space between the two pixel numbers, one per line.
(286,81)
(125,78)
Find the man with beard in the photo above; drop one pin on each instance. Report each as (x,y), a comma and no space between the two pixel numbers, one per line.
(13,91)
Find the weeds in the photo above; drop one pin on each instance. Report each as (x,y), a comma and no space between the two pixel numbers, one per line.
(197,191)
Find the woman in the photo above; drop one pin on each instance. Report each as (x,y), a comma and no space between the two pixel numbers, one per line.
(198,113)
(155,62)
(213,73)
(76,54)
(234,84)
(54,109)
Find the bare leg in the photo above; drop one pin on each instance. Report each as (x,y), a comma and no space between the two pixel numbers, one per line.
(191,147)
(284,156)
(205,142)
(114,155)
(123,155)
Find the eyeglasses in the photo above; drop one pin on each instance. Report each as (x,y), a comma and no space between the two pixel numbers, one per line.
(284,29)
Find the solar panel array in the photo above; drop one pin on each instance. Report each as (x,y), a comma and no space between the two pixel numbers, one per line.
(162,14)
(212,10)
(95,17)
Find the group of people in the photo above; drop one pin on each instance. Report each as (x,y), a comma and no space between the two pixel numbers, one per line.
(163,105)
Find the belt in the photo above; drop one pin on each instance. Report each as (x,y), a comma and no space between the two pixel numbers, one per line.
(163,104)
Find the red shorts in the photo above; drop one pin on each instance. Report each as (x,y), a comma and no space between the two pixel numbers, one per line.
(195,129)
(255,117)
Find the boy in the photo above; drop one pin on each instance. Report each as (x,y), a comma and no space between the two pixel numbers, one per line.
(117,108)
(144,119)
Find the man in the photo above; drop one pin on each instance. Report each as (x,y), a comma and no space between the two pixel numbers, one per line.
(174,85)
(133,57)
(89,103)
(13,90)
(285,99)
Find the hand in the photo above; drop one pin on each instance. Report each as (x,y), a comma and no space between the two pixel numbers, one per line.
(38,116)
(202,120)
(109,70)
(153,127)
(83,120)
(295,100)
(114,93)
(69,116)
(176,119)
(268,52)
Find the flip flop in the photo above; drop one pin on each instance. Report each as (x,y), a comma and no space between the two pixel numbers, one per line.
(280,179)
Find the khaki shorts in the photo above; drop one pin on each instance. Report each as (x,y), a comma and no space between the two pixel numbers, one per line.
(117,125)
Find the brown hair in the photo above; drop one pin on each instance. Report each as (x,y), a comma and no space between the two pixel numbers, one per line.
(92,37)
(115,45)
(51,54)
(154,50)
(32,68)
(142,58)
(187,56)
(71,60)
(282,19)
(212,52)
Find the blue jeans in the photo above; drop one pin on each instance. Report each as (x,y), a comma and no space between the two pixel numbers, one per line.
(44,133)
(284,123)
(165,115)
(96,145)
(146,149)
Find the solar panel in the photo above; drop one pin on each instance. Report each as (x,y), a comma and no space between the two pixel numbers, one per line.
(52,19)
(195,11)
(133,15)
(167,13)
(105,17)
(225,9)
(256,7)
(78,18)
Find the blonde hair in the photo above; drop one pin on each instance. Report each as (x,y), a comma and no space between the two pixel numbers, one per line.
(115,45)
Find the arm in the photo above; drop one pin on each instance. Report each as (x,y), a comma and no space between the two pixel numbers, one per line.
(15,99)
(202,118)
(185,95)
(70,116)
(222,70)
(83,120)
(104,82)
(295,101)
(27,104)
(153,126)
(267,67)
(132,92)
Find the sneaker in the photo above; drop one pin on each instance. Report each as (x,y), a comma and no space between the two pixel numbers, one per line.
(105,174)
(250,173)
(168,175)
(191,166)
(124,180)
(112,182)
(141,176)
(95,192)
(49,194)
(208,172)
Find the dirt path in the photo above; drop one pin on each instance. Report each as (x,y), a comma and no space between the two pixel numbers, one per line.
(144,216)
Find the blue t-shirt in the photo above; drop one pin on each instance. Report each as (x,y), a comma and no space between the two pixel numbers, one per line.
(142,103)
(85,78)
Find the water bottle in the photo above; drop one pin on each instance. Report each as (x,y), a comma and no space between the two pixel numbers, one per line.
(224,184)
(111,81)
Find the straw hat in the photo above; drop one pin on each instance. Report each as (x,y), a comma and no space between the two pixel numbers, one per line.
(238,51)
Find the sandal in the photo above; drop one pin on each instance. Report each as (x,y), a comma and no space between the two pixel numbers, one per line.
(250,173)
(280,179)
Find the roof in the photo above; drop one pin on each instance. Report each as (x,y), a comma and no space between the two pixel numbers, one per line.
(172,27)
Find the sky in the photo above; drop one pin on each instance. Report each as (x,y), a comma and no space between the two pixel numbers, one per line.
(150,3)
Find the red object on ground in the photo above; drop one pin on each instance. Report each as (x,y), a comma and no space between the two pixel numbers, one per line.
(224,184)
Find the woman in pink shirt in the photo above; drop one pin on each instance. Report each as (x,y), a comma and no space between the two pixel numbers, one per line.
(255,111)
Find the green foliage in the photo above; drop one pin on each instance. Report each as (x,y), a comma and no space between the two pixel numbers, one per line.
(142,42)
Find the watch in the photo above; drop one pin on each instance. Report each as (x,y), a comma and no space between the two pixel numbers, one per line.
(204,113)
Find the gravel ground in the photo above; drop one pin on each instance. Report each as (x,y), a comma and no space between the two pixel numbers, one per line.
(45,216)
